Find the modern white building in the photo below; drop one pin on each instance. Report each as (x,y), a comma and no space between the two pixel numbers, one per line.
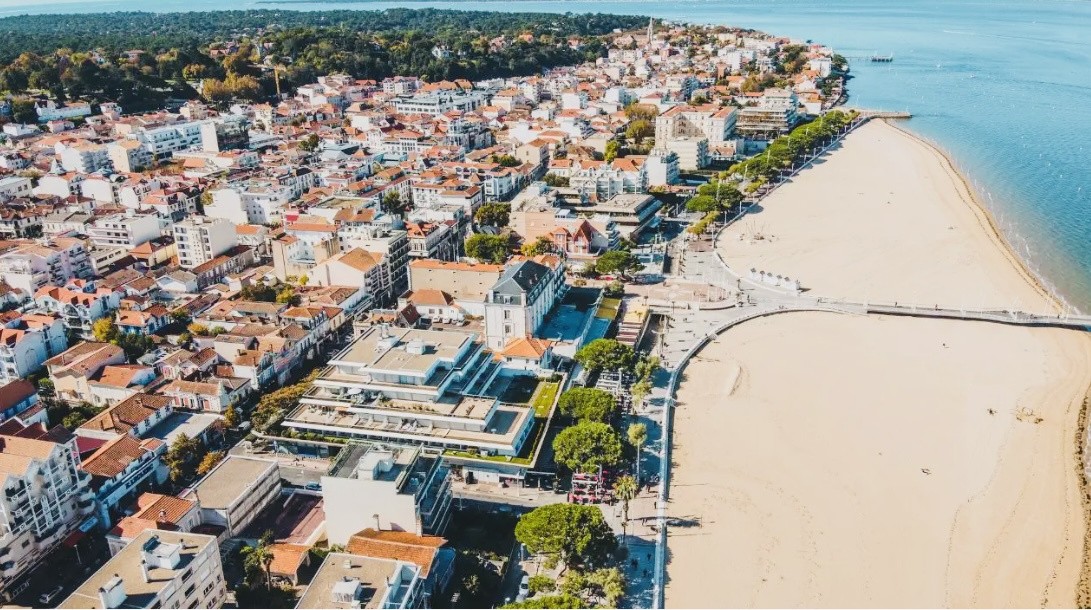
(662,168)
(44,496)
(126,230)
(85,158)
(435,104)
(414,386)
(199,239)
(27,342)
(345,580)
(233,493)
(158,569)
(387,487)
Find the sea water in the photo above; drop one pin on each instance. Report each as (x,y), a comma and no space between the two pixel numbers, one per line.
(1004,87)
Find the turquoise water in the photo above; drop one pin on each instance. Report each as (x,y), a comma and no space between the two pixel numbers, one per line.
(1004,87)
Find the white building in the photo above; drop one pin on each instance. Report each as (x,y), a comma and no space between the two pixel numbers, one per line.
(414,386)
(200,239)
(435,104)
(14,186)
(388,487)
(662,168)
(158,569)
(517,304)
(126,230)
(44,495)
(345,580)
(28,268)
(129,156)
(27,342)
(85,158)
(233,493)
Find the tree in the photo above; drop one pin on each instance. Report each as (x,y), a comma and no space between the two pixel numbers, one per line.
(180,316)
(639,391)
(506,161)
(309,143)
(603,587)
(637,435)
(640,129)
(209,462)
(611,151)
(198,330)
(183,457)
(587,446)
(542,245)
(493,214)
(23,111)
(288,295)
(637,111)
(258,292)
(558,602)
(618,261)
(257,560)
(588,404)
(392,203)
(703,204)
(105,330)
(489,248)
(231,417)
(540,583)
(556,181)
(572,534)
(625,489)
(606,354)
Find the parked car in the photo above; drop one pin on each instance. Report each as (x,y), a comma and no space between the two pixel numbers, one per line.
(312,486)
(524,588)
(47,598)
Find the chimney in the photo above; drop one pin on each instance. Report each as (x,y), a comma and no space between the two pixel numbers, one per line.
(144,571)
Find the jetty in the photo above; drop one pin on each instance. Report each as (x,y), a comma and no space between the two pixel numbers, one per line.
(882,58)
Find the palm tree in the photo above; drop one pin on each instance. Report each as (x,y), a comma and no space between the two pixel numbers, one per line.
(261,558)
(638,435)
(625,489)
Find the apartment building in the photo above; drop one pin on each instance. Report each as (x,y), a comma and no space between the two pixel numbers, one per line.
(441,102)
(121,470)
(776,112)
(517,304)
(126,230)
(30,267)
(44,497)
(706,121)
(199,240)
(158,569)
(128,156)
(233,493)
(73,370)
(85,158)
(406,489)
(27,342)
(345,580)
(414,386)
(79,304)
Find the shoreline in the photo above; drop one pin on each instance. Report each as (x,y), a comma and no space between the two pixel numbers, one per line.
(1083,432)
(988,221)
(745,458)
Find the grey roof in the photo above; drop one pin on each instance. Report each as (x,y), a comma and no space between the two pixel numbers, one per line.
(520,278)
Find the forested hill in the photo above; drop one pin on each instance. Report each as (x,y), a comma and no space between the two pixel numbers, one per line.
(161,31)
(87,56)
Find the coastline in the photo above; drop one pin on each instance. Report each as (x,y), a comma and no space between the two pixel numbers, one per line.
(989,428)
(988,221)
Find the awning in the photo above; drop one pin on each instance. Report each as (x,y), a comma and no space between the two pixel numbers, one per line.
(73,539)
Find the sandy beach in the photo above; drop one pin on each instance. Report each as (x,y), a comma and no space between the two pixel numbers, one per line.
(882,218)
(849,461)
